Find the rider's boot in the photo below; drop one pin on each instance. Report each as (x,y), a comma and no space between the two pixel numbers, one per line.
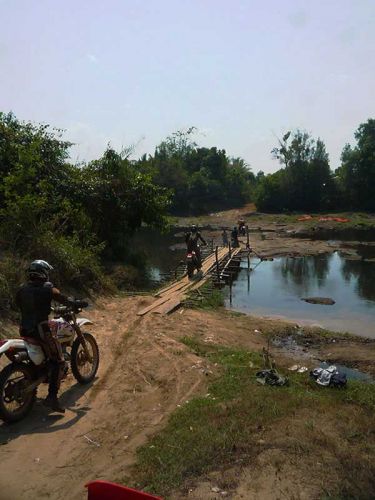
(56,374)
(53,403)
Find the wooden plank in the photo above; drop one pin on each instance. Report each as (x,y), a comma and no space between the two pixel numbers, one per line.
(162,300)
(170,305)
(170,297)
(165,298)
(149,308)
(206,277)
(165,289)
(172,286)
(175,289)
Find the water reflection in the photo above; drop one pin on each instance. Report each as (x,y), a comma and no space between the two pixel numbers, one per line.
(363,274)
(162,252)
(302,273)
(276,288)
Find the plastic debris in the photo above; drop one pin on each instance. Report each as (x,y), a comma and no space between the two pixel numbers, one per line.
(271,377)
(329,377)
(303,369)
(294,368)
(298,369)
(92,441)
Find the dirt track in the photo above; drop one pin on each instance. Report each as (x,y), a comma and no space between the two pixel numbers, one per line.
(141,380)
(145,373)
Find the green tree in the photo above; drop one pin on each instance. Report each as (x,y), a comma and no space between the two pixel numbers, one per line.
(37,215)
(304,183)
(68,213)
(201,178)
(356,175)
(119,198)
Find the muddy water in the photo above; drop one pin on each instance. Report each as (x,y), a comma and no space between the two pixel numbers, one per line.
(275,288)
(162,253)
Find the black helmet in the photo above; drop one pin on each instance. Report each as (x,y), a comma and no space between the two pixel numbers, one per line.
(39,270)
(194,228)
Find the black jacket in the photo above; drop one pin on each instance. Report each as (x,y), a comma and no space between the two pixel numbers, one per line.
(34,300)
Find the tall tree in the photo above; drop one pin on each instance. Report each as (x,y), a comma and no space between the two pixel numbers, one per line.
(357,171)
(304,182)
(201,178)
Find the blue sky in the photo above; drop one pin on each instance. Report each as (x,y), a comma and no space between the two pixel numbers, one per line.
(243,72)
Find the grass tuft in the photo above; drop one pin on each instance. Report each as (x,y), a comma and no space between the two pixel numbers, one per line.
(214,430)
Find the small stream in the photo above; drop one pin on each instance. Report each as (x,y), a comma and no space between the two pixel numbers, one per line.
(275,288)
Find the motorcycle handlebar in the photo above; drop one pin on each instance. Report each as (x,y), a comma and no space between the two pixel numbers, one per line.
(75,307)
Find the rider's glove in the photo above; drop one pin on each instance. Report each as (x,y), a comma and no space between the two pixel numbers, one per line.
(81,303)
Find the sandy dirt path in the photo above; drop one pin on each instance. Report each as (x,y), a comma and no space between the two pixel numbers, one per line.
(145,374)
(141,380)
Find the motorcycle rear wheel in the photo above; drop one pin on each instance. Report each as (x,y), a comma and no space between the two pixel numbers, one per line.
(83,370)
(12,390)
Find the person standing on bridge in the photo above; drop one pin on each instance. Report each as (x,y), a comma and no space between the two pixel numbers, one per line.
(224,235)
(234,237)
(192,239)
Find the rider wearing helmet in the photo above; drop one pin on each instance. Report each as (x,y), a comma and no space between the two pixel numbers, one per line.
(192,242)
(34,300)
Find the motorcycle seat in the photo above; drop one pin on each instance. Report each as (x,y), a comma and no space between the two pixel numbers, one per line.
(32,340)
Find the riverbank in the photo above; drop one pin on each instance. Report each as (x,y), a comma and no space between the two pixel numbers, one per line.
(162,384)
(274,235)
(176,408)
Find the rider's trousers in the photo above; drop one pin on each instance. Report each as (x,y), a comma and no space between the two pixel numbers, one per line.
(55,356)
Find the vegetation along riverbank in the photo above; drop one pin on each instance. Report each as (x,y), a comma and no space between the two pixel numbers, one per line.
(178,408)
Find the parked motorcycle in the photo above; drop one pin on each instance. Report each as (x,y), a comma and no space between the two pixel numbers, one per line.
(29,366)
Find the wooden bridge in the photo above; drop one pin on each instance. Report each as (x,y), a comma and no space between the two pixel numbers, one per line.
(217,266)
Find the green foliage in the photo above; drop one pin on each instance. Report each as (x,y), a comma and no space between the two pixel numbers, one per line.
(207,299)
(202,179)
(356,176)
(305,182)
(113,189)
(67,214)
(12,273)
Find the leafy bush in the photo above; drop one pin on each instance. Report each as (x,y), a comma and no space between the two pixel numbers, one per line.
(70,215)
(12,274)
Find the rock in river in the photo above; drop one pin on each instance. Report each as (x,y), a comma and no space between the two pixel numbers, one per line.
(319,300)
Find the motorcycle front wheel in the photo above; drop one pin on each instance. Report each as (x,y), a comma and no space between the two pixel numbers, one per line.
(15,400)
(83,369)
(190,269)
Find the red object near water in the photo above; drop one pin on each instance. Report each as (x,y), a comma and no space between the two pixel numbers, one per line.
(104,490)
(305,217)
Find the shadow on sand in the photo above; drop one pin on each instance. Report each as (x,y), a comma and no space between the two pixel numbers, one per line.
(40,420)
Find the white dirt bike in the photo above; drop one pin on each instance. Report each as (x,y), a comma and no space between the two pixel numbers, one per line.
(29,367)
